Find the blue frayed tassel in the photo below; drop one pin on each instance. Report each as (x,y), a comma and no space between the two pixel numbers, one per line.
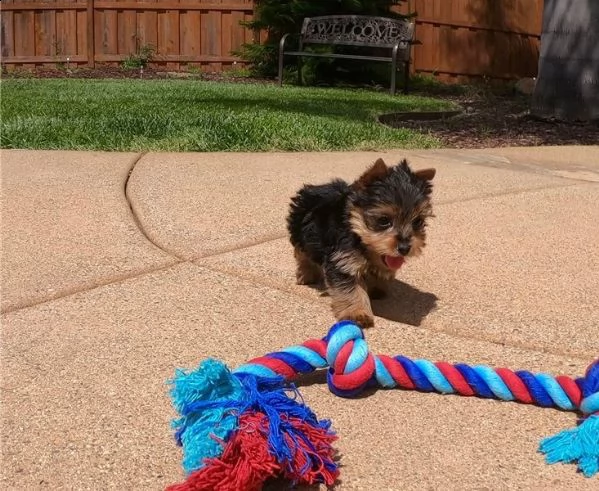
(201,431)
(581,444)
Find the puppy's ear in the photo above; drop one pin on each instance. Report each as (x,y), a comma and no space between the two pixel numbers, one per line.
(376,171)
(425,174)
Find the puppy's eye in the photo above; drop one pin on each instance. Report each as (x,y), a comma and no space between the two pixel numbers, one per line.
(417,223)
(383,222)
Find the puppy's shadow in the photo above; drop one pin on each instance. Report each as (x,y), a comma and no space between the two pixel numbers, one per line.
(404,303)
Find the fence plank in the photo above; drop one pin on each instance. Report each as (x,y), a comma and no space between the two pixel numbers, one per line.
(168,35)
(7,34)
(147,28)
(66,32)
(218,35)
(237,32)
(174,47)
(110,40)
(84,38)
(24,33)
(189,26)
(45,43)
(226,34)
(210,31)
(127,35)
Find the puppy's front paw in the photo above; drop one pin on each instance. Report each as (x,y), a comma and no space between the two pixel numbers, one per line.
(301,279)
(362,318)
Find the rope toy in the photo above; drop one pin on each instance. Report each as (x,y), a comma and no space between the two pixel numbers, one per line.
(239,428)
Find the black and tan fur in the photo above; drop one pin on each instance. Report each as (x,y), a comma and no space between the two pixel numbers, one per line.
(353,236)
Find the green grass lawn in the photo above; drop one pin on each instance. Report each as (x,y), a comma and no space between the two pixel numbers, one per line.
(188,115)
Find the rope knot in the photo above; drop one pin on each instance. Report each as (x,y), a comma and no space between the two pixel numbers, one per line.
(351,363)
(590,390)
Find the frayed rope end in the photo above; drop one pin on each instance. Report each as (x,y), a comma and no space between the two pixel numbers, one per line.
(579,445)
(247,461)
(240,430)
(576,445)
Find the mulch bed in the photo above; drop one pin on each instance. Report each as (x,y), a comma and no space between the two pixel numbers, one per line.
(489,118)
(501,120)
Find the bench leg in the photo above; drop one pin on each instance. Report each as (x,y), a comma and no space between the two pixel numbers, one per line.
(406,77)
(281,68)
(394,68)
(300,79)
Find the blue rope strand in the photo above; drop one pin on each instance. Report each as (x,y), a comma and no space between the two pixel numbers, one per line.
(419,379)
(537,391)
(479,386)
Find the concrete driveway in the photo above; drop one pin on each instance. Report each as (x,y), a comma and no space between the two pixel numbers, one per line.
(118,268)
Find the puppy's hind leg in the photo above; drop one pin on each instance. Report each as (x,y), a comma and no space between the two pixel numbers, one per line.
(308,272)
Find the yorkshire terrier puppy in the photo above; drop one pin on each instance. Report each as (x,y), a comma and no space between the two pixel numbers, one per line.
(355,237)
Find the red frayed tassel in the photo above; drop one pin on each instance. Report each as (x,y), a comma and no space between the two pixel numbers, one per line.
(246,463)
(315,444)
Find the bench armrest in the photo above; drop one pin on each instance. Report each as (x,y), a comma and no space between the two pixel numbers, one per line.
(282,42)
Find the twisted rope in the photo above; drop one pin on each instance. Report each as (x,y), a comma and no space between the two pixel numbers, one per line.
(353,368)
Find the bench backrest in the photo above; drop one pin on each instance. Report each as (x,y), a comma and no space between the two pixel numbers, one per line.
(357,30)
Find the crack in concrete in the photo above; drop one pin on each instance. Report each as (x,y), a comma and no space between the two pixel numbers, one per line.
(136,218)
(239,247)
(563,174)
(67,292)
(92,285)
(515,192)
(135,214)
(500,162)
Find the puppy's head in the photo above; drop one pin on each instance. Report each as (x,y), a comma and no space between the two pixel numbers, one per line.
(389,208)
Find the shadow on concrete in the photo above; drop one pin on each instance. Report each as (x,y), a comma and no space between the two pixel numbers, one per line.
(405,304)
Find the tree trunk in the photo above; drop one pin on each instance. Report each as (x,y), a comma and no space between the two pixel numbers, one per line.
(567,85)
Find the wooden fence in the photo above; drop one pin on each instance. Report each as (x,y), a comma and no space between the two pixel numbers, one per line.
(183,34)
(461,39)
(465,39)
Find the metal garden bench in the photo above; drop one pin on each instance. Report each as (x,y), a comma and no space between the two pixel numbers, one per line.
(355,30)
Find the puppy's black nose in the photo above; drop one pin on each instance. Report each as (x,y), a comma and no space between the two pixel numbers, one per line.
(404,248)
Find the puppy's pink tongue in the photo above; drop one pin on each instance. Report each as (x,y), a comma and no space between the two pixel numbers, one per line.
(393,262)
